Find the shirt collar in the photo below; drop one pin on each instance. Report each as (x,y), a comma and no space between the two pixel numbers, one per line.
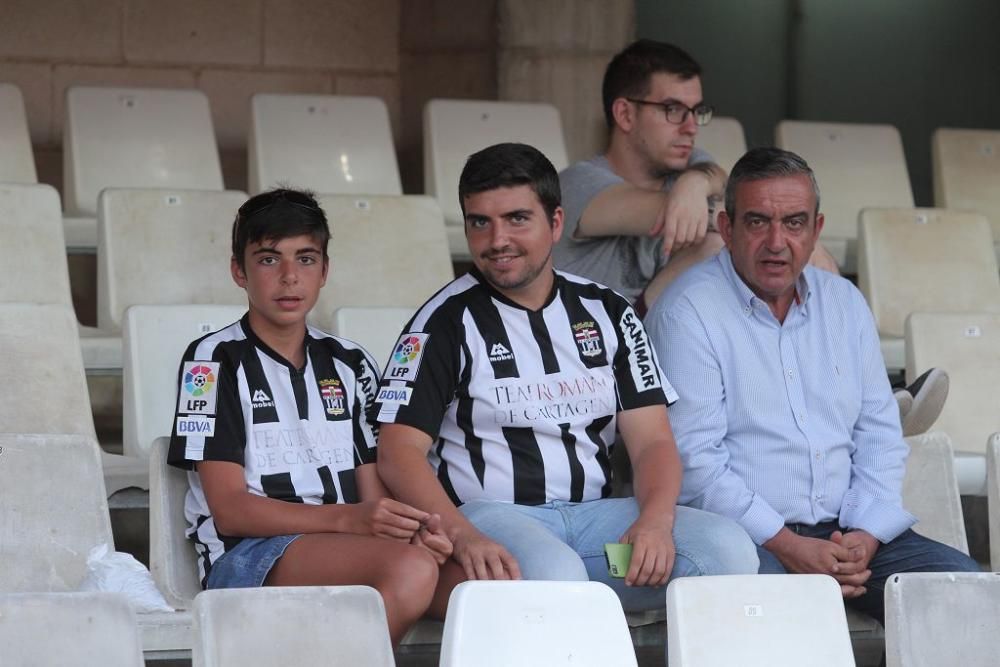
(745,294)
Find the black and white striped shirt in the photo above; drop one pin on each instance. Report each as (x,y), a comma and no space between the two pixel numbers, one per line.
(521,404)
(299,434)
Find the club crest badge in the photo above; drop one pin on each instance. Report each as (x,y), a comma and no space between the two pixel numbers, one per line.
(333,396)
(588,339)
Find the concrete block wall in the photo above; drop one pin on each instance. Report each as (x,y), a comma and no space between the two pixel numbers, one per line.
(556,51)
(229,49)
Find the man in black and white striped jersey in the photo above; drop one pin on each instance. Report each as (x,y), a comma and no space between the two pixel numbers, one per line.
(502,398)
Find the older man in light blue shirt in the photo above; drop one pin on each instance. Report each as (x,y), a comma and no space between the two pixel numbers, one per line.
(786,421)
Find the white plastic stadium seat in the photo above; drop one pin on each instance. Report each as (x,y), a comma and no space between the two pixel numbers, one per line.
(930,490)
(375,328)
(154,339)
(455,129)
(967,345)
(30,221)
(856,166)
(134,138)
(385,251)
(301,625)
(502,623)
(334,144)
(43,367)
(54,512)
(17,163)
(724,140)
(164,247)
(993,498)
(69,629)
(966,167)
(923,260)
(774,620)
(942,618)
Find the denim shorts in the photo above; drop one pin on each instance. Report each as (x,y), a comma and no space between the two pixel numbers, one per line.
(248,563)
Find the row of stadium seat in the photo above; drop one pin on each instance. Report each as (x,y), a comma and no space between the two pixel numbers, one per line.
(133,137)
(54,512)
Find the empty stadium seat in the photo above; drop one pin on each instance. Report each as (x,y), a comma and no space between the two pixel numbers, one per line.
(774,620)
(930,490)
(384,251)
(154,339)
(172,559)
(54,511)
(69,629)
(48,389)
(942,618)
(300,625)
(374,328)
(966,168)
(923,260)
(334,144)
(501,623)
(133,138)
(967,345)
(857,166)
(17,163)
(724,140)
(164,247)
(993,498)
(30,220)
(455,129)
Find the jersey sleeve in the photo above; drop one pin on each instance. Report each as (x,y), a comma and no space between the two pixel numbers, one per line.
(208,417)
(638,377)
(365,425)
(423,372)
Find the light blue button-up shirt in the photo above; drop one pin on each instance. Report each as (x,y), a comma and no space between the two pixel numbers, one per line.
(779,423)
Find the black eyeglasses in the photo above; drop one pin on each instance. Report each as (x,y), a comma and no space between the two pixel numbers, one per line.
(259,203)
(677,113)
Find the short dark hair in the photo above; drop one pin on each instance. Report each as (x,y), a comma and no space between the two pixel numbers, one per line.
(629,72)
(761,163)
(279,214)
(508,165)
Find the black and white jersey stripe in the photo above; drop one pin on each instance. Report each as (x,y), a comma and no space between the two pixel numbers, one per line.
(298,433)
(521,404)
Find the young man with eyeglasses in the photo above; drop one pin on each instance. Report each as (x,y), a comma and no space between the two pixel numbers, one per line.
(272,424)
(640,214)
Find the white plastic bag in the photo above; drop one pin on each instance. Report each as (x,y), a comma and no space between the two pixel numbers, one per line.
(117,572)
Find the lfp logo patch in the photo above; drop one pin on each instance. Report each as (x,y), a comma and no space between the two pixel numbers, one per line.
(406,357)
(199,381)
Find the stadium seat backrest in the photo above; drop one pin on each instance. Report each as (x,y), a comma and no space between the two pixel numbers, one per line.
(43,369)
(856,166)
(724,140)
(777,620)
(942,618)
(172,559)
(136,138)
(385,251)
(301,625)
(154,339)
(966,167)
(930,490)
(53,512)
(94,628)
(17,163)
(34,269)
(164,247)
(331,144)
(375,328)
(967,345)
(925,260)
(455,129)
(500,623)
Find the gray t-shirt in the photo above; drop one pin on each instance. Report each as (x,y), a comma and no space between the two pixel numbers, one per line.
(626,264)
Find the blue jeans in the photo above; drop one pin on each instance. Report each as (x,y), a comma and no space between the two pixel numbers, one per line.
(907,553)
(565,542)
